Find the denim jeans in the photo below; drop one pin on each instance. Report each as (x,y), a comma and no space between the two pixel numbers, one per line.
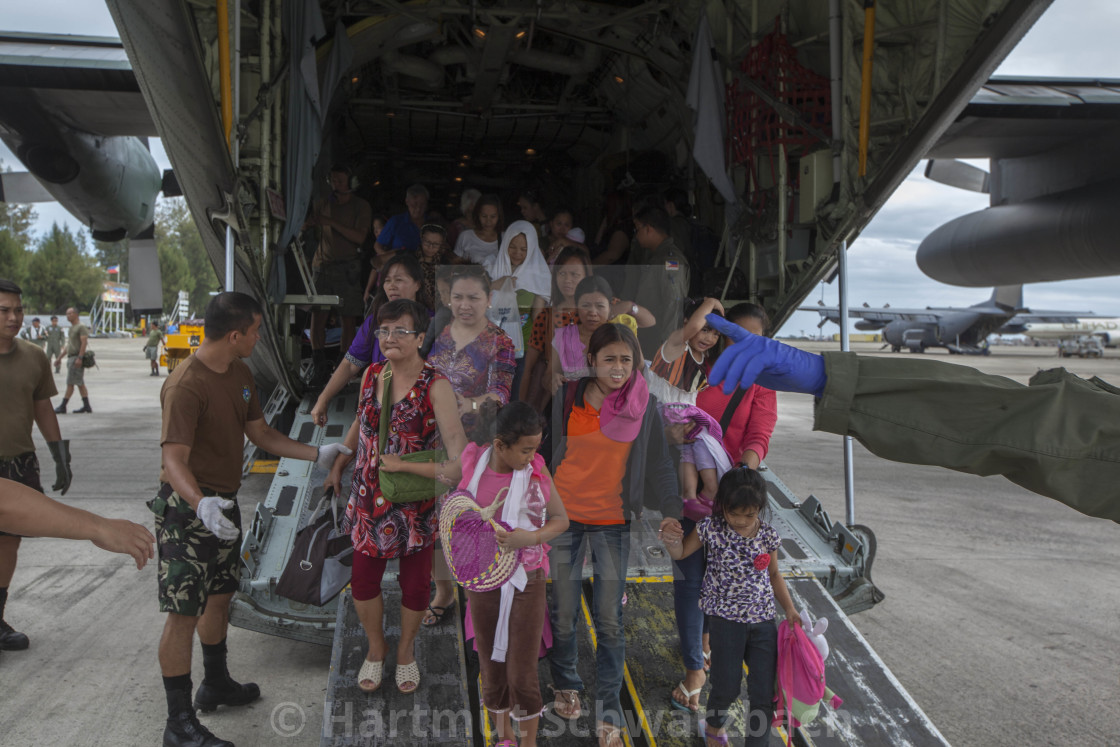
(609,546)
(692,623)
(732,644)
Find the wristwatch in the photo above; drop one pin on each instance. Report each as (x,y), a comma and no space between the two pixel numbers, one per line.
(474,405)
(633,309)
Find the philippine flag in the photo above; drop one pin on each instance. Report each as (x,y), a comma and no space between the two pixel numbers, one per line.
(114,270)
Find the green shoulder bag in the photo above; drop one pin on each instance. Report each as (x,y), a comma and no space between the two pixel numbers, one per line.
(404,487)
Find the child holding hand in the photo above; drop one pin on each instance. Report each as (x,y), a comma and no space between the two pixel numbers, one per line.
(741,584)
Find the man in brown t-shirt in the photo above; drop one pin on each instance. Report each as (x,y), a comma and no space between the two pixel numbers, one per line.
(27,383)
(344,220)
(209,406)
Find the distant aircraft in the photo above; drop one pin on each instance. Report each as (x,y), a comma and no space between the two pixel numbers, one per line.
(958,330)
(1106,329)
(71,111)
(1054,152)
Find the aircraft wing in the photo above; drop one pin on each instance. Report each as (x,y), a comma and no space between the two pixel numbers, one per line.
(1010,117)
(1053,317)
(832,313)
(86,81)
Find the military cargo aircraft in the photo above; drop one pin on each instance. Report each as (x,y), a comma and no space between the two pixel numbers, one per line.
(959,330)
(789,122)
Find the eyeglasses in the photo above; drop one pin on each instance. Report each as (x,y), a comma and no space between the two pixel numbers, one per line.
(385,334)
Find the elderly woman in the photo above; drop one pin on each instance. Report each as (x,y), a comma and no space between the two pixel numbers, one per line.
(401,277)
(422,416)
(477,358)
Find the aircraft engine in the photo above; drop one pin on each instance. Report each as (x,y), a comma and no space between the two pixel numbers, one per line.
(1061,236)
(868,326)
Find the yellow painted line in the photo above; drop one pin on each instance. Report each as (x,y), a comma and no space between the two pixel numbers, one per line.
(626,674)
(264,467)
(486,734)
(648,579)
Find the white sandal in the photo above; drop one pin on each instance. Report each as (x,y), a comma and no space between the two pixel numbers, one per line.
(408,673)
(372,671)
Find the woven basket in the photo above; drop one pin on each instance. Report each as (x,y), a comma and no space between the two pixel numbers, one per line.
(470,545)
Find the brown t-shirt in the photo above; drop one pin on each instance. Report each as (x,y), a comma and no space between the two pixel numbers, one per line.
(208,411)
(74,341)
(333,246)
(25,378)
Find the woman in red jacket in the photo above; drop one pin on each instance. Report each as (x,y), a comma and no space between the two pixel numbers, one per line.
(747,418)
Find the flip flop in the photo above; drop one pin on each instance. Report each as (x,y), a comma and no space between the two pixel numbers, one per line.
(569,705)
(438,613)
(372,671)
(609,735)
(719,737)
(707,660)
(687,696)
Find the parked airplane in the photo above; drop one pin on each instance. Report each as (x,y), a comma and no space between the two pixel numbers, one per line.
(1106,329)
(958,330)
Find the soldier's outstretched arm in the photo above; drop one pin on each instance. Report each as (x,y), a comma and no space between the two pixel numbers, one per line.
(29,512)
(1059,436)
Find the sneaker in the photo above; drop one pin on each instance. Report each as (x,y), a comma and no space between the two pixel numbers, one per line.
(12,640)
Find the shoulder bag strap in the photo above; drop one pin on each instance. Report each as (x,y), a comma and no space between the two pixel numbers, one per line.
(386,406)
(732,406)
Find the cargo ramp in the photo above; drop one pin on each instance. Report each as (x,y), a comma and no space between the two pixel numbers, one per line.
(826,565)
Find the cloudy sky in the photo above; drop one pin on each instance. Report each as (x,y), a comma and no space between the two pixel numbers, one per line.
(1075,38)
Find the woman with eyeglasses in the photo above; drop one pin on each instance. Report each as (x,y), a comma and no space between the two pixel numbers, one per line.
(423,416)
(477,357)
(401,277)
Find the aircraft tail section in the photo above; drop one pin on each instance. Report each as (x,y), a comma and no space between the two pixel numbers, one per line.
(1008,297)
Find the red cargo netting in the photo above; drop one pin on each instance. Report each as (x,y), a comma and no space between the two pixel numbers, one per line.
(754,125)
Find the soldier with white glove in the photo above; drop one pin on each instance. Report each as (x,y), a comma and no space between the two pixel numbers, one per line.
(210,406)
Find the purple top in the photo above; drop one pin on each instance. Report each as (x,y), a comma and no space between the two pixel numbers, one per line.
(484,366)
(366,348)
(734,588)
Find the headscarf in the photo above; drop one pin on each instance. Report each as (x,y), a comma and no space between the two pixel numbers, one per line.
(533,275)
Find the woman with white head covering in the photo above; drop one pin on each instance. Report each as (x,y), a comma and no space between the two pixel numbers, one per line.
(520,276)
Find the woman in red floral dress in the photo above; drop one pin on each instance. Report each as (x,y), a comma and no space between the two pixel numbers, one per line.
(424,416)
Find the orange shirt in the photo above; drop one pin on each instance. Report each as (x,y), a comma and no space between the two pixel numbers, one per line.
(589,479)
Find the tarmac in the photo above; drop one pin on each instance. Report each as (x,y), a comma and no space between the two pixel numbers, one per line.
(1000,615)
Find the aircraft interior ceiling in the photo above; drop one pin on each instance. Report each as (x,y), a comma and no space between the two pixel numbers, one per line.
(570,96)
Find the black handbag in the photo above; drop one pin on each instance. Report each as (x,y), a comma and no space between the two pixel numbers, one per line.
(322,556)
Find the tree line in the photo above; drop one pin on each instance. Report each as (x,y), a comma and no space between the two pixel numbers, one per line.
(61,268)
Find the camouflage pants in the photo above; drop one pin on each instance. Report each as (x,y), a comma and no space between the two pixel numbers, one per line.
(23,469)
(193,563)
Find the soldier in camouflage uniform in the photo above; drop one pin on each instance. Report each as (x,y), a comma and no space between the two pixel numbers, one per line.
(56,343)
(209,406)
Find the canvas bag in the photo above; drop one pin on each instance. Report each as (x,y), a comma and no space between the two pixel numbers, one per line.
(505,313)
(322,556)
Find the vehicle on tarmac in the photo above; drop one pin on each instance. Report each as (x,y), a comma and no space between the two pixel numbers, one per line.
(182,343)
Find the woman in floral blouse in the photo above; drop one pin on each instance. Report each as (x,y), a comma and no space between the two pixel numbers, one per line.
(477,357)
(422,416)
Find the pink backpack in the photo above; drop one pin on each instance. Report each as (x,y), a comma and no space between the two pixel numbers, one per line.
(800,688)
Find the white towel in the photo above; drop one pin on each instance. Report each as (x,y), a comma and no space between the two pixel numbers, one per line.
(512,516)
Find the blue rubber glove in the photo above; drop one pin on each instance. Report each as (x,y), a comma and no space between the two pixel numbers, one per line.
(769,363)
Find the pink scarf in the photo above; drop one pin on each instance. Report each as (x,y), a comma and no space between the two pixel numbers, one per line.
(621,416)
